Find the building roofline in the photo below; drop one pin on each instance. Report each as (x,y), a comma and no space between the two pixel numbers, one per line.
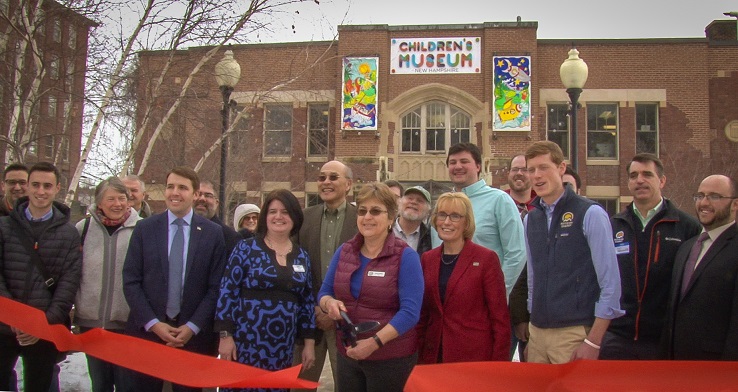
(589,41)
(458,26)
(237,46)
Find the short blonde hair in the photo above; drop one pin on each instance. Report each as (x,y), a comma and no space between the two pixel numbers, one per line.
(456,201)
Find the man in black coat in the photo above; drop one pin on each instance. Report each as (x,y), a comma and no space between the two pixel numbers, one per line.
(206,205)
(40,266)
(702,318)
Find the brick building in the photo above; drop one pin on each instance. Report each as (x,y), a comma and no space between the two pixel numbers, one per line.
(436,85)
(43,63)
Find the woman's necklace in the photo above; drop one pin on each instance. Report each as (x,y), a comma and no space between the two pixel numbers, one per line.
(269,243)
(453,260)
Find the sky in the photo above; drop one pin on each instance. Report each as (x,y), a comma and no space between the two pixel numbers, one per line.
(556,18)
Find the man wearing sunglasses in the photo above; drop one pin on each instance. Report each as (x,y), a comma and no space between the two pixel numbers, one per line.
(14,186)
(325,228)
(647,235)
(702,318)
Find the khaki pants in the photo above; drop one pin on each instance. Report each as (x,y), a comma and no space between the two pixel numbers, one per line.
(554,345)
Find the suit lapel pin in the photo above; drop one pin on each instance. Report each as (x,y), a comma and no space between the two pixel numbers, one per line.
(199,228)
(476,264)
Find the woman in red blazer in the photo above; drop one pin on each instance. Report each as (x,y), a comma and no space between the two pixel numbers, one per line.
(464,316)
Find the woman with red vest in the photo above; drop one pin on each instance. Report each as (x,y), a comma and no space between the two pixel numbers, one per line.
(464,317)
(375,277)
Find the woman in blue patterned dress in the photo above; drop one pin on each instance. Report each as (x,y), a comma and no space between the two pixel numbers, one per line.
(266,299)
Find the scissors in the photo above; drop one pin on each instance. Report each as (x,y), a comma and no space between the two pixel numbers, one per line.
(349,330)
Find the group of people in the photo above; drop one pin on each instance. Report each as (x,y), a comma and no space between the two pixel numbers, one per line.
(381,284)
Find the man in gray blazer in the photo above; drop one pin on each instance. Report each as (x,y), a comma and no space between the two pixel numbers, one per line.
(325,228)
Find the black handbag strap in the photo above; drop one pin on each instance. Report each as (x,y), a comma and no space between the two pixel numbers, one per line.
(32,249)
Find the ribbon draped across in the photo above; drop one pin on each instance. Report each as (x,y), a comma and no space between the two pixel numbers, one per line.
(158,360)
(583,375)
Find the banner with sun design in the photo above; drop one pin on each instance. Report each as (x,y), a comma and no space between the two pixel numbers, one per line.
(512,93)
(359,93)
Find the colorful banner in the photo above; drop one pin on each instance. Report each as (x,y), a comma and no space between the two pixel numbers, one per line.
(171,364)
(435,55)
(512,93)
(360,93)
(600,376)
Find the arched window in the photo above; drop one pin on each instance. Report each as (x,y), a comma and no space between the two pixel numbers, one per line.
(433,127)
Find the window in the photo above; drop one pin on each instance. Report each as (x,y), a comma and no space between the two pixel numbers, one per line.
(313,199)
(54,67)
(49,146)
(238,138)
(72,36)
(64,147)
(610,205)
(602,131)
(318,130)
(647,127)
(52,107)
(278,130)
(433,127)
(557,128)
(57,34)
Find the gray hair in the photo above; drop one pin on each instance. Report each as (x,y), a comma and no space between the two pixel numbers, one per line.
(113,183)
(133,177)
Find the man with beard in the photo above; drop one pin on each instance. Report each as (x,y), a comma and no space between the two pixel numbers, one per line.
(702,318)
(14,186)
(647,235)
(325,228)
(414,207)
(206,204)
(498,225)
(523,195)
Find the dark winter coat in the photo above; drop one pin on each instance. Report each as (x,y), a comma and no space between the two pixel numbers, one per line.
(59,250)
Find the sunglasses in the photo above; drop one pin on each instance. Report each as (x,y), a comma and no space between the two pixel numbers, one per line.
(332,177)
(374,211)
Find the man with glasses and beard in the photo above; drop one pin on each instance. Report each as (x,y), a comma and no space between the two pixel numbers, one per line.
(14,186)
(325,228)
(702,317)
(414,206)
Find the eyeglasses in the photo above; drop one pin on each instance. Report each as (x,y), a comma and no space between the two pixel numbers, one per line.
(374,211)
(713,197)
(522,170)
(251,217)
(441,216)
(332,177)
(12,183)
(208,195)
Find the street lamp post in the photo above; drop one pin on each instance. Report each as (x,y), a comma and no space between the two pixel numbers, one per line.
(574,72)
(227,74)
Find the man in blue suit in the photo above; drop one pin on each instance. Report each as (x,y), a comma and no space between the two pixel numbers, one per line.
(171,276)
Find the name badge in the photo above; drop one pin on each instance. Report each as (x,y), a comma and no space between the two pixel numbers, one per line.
(378,274)
(622,248)
(298,268)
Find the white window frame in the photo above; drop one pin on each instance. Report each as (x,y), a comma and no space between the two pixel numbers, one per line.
(562,121)
(604,115)
(640,129)
(421,125)
(286,128)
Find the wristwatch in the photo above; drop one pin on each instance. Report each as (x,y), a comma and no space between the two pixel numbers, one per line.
(225,334)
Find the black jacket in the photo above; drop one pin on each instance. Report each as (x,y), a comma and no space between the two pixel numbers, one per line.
(424,243)
(59,250)
(666,231)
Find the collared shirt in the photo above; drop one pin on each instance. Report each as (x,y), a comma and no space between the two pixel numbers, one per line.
(649,214)
(186,229)
(712,236)
(330,233)
(412,239)
(598,232)
(44,218)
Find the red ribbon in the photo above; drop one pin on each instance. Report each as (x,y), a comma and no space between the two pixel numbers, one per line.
(601,376)
(167,363)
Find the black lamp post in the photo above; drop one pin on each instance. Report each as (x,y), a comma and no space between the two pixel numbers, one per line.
(227,74)
(574,74)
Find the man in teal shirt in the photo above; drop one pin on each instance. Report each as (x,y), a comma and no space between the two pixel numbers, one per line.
(498,223)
